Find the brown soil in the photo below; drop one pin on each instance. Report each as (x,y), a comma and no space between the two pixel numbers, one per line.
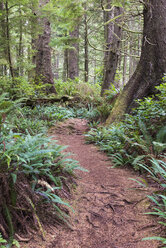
(109,212)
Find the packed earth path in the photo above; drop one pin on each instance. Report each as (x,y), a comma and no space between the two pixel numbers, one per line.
(108,207)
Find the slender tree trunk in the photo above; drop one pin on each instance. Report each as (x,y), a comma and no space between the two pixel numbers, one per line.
(43,55)
(65,65)
(73,55)
(56,64)
(5,70)
(124,68)
(9,57)
(152,64)
(113,38)
(86,52)
(108,36)
(3,30)
(95,67)
(130,56)
(20,48)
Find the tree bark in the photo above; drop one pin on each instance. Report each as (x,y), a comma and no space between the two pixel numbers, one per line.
(65,65)
(112,36)
(56,64)
(73,52)
(86,52)
(7,37)
(43,55)
(152,64)
(20,48)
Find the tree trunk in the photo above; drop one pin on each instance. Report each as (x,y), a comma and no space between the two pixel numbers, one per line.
(56,64)
(152,64)
(3,31)
(112,36)
(65,65)
(20,48)
(124,69)
(8,48)
(86,52)
(43,55)
(73,58)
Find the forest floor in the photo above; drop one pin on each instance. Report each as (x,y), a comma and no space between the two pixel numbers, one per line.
(109,207)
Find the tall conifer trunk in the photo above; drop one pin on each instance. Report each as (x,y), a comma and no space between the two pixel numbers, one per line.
(43,55)
(152,64)
(112,37)
(7,36)
(86,50)
(73,55)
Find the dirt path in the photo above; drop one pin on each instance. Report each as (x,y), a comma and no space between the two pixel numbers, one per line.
(108,213)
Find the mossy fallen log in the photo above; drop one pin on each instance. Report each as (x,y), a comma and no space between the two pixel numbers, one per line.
(35,101)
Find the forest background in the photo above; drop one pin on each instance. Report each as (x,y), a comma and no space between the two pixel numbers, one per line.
(95,58)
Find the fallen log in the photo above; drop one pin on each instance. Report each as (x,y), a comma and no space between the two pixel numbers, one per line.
(35,101)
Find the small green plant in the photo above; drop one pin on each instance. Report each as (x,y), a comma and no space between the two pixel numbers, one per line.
(2,241)
(111,93)
(157,171)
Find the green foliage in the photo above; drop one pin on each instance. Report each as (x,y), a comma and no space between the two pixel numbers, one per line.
(104,110)
(20,87)
(111,93)
(28,157)
(2,241)
(85,91)
(140,141)
(139,136)
(41,164)
(157,171)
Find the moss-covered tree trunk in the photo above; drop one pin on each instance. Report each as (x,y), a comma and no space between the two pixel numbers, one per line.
(152,64)
(73,54)
(112,37)
(86,48)
(43,55)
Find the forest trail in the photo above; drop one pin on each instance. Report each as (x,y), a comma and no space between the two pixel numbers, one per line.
(108,212)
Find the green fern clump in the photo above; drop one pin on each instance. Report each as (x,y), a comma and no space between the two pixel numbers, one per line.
(38,119)
(157,172)
(86,92)
(90,113)
(139,136)
(33,170)
(110,140)
(57,113)
(140,141)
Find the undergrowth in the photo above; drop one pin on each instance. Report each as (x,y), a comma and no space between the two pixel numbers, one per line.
(139,136)
(140,141)
(34,170)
